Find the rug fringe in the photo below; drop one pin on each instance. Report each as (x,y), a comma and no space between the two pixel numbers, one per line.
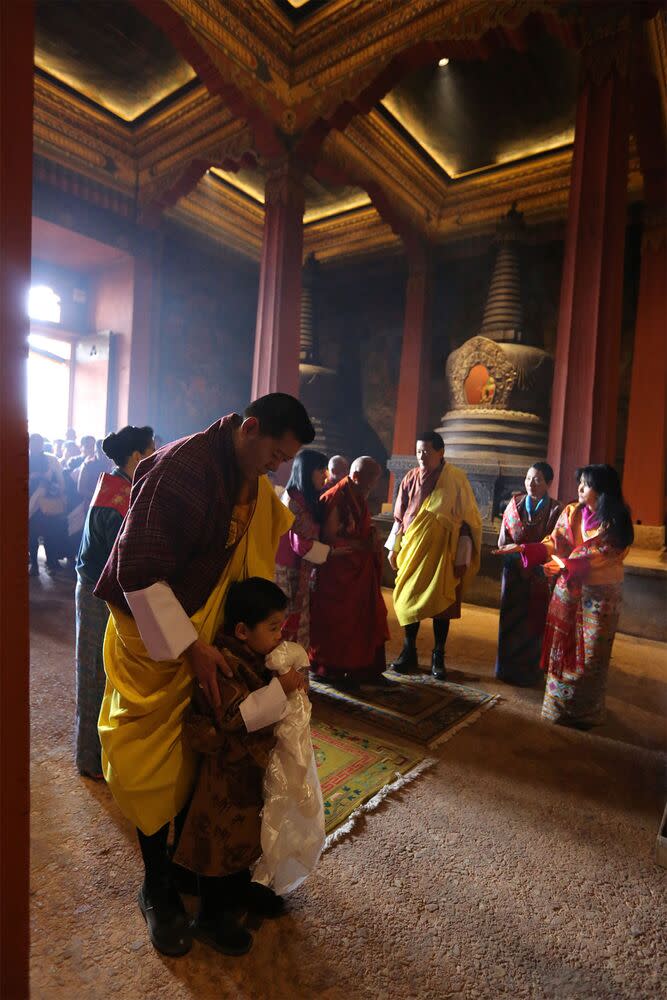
(401,780)
(468,721)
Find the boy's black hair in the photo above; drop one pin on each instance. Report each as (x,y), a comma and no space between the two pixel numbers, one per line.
(279,413)
(251,601)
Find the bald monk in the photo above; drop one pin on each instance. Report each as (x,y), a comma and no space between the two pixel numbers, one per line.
(348,617)
(337,469)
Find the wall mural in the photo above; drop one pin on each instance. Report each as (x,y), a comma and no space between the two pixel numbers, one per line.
(207,327)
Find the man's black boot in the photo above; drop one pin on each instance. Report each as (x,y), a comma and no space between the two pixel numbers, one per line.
(166,919)
(406,662)
(438,668)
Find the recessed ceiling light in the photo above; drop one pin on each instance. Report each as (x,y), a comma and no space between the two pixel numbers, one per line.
(443,62)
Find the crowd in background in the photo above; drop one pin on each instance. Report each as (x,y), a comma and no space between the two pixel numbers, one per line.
(63,475)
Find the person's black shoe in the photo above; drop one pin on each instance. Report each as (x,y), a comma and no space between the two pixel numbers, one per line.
(183,880)
(438,669)
(223,933)
(407,662)
(166,919)
(262,901)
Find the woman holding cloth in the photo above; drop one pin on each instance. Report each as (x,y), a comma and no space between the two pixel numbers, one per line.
(585,551)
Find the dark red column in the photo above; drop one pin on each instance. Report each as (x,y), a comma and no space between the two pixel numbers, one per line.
(16,74)
(585,389)
(276,361)
(644,467)
(414,379)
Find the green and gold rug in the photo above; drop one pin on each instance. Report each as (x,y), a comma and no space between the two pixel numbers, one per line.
(412,708)
(357,772)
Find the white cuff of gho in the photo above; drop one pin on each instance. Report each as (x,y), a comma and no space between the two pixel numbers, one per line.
(463,551)
(393,543)
(264,707)
(318,554)
(163,625)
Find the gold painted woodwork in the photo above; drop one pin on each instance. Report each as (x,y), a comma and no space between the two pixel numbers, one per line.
(224,215)
(301,71)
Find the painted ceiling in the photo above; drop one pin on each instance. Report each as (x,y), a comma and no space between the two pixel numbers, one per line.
(108,52)
(439,153)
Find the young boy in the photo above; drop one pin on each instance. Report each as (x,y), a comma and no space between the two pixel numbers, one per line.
(221,834)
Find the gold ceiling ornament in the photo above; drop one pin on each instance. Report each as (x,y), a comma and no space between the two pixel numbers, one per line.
(341,48)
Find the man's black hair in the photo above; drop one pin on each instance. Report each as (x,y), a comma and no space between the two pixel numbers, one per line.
(251,601)
(279,413)
(432,437)
(545,469)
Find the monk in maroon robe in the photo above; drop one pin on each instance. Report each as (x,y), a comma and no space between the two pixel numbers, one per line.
(348,615)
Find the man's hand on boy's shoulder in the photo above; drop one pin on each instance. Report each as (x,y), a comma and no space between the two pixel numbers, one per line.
(205,661)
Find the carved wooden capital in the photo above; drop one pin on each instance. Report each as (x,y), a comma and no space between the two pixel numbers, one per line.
(284,185)
(608,35)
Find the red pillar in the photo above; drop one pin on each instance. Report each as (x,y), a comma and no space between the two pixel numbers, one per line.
(276,361)
(16,74)
(585,389)
(412,397)
(644,468)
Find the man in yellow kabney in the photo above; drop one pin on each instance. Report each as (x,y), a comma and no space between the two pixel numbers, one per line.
(202,515)
(435,546)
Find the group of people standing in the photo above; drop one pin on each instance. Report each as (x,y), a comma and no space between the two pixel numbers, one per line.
(330,562)
(329,566)
(561,590)
(171,534)
(561,578)
(62,479)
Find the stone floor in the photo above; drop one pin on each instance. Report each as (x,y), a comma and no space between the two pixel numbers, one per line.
(521,866)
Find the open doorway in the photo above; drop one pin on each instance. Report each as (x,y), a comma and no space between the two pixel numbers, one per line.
(49,383)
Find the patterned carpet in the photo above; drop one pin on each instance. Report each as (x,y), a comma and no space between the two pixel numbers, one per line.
(418,709)
(357,772)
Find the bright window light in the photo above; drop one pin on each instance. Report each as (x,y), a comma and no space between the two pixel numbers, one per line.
(443,62)
(58,348)
(44,304)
